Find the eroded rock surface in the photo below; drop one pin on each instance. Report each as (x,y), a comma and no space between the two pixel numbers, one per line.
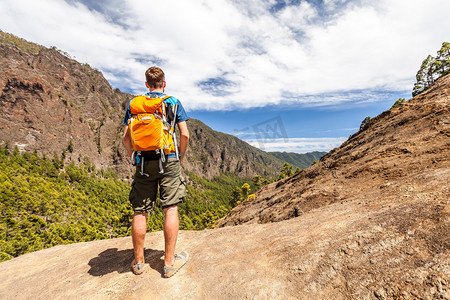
(352,250)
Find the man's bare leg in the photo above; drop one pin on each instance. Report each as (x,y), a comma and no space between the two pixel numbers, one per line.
(171,225)
(138,231)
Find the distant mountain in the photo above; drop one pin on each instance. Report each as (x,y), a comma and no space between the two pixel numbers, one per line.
(56,105)
(298,160)
(212,152)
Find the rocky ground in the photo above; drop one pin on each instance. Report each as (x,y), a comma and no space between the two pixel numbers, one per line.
(358,249)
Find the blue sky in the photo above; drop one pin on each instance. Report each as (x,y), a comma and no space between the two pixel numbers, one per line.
(310,68)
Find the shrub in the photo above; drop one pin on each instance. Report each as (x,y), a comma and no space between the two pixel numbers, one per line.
(364,122)
(398,102)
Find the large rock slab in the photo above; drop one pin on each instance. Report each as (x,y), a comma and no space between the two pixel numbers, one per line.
(358,249)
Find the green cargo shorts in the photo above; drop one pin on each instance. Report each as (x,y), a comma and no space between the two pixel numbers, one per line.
(172,185)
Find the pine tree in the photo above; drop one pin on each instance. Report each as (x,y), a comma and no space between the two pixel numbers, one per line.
(286,171)
(443,56)
(364,122)
(432,68)
(398,102)
(245,191)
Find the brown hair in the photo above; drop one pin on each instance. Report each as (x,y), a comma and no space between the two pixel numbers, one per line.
(155,77)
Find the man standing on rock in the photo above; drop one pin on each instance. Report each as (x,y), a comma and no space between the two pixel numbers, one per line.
(154,172)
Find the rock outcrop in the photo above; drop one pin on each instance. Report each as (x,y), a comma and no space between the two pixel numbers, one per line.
(50,101)
(403,154)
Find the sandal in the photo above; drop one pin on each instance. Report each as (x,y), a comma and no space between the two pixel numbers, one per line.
(180,260)
(138,268)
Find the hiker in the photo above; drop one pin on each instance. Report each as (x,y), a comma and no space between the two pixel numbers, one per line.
(157,169)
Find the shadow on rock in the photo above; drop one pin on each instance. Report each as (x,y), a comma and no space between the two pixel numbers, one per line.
(112,260)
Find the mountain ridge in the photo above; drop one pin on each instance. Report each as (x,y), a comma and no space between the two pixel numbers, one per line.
(226,153)
(55,104)
(51,101)
(299,160)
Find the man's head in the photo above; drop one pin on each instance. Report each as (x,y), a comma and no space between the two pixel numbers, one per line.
(155,78)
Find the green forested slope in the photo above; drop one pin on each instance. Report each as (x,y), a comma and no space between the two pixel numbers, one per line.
(44,202)
(43,205)
(298,160)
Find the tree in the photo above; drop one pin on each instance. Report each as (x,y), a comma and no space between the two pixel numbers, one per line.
(398,102)
(364,122)
(257,180)
(70,146)
(432,68)
(443,56)
(286,171)
(239,194)
(236,196)
(245,191)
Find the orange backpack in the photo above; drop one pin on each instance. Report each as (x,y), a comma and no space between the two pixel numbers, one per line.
(150,127)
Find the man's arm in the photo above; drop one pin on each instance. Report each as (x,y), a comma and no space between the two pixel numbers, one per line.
(127,141)
(184,139)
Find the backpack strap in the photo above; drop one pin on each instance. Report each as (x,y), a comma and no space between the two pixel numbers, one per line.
(174,136)
(172,125)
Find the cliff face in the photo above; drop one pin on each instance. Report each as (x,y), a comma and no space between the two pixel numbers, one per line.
(49,101)
(53,104)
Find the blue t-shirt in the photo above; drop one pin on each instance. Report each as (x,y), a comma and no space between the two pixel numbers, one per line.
(181,113)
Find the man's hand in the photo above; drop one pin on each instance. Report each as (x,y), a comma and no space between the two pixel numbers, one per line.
(184,139)
(127,141)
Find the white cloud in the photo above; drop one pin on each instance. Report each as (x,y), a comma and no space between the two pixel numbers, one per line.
(298,145)
(297,17)
(342,51)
